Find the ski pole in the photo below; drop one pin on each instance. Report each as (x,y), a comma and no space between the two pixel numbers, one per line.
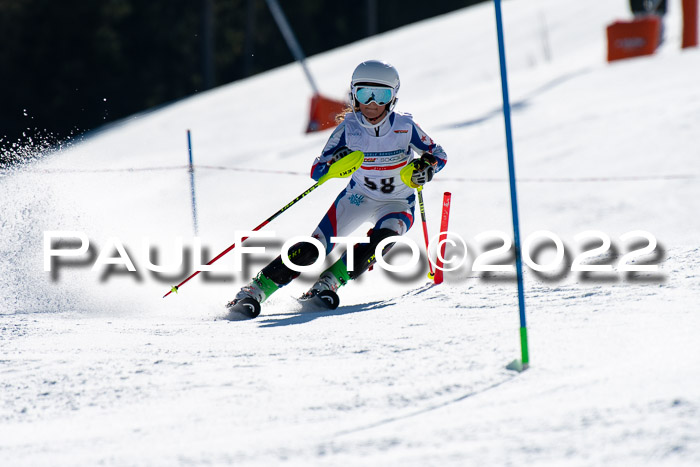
(340,169)
(431,274)
(406,174)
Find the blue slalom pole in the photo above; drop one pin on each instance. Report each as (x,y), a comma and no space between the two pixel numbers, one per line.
(194,202)
(518,365)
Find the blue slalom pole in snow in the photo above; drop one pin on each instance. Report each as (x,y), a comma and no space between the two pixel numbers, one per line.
(518,365)
(194,202)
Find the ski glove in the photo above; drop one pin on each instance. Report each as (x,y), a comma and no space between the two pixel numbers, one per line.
(423,169)
(339,154)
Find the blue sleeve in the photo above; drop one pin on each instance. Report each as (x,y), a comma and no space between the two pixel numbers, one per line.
(422,143)
(335,142)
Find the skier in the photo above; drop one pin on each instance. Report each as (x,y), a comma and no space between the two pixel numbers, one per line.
(381,191)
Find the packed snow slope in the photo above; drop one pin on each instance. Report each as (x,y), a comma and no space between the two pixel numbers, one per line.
(99,369)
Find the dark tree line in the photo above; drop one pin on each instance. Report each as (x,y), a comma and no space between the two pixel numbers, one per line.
(72,65)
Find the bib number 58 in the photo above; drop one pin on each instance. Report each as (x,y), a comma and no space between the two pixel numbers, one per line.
(387,185)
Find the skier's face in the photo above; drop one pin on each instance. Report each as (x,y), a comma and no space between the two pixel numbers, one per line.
(372,111)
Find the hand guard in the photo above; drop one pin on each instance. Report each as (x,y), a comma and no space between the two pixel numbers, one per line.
(421,171)
(339,154)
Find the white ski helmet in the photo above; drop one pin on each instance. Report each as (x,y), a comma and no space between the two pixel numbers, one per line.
(375,72)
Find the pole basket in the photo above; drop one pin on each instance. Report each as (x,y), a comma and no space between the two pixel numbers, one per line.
(627,39)
(323,112)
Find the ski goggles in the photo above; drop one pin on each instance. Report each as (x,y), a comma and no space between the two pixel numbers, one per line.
(380,95)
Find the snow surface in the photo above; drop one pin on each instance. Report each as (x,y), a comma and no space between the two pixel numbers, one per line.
(98,369)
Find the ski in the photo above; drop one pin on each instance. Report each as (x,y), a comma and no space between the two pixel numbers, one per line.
(246,308)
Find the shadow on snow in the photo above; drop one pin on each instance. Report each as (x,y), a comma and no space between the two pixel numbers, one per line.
(305,316)
(301,317)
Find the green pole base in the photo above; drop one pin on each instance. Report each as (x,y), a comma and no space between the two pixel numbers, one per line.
(517,365)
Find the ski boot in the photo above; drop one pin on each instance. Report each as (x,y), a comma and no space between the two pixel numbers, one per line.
(248,299)
(323,292)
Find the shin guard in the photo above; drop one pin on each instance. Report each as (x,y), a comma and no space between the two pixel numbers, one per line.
(364,253)
(302,253)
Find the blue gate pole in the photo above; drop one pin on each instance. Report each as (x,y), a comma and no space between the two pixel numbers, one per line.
(518,365)
(291,40)
(191,168)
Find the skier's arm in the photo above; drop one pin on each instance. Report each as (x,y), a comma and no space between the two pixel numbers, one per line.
(333,147)
(424,145)
(432,159)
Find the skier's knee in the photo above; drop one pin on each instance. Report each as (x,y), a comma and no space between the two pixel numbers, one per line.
(303,253)
(377,235)
(364,253)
